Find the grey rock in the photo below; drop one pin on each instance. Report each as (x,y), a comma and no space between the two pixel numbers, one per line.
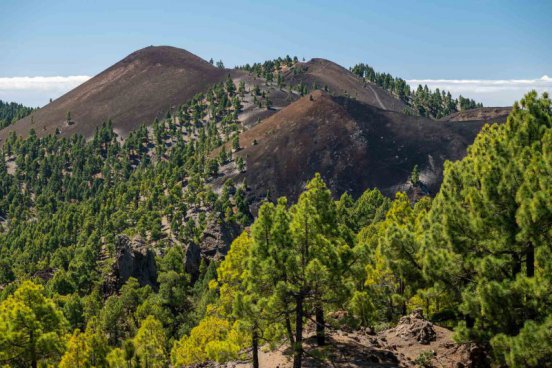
(133,258)
(213,246)
(192,260)
(217,237)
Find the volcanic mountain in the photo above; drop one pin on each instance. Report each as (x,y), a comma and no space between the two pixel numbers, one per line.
(326,74)
(355,134)
(353,145)
(134,91)
(317,73)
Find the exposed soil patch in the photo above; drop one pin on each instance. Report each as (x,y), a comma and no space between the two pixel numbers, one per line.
(400,346)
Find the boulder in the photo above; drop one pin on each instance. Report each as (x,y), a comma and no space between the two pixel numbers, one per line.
(478,356)
(415,326)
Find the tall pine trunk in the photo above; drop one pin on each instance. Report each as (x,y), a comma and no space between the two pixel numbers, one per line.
(255,346)
(289,331)
(470,322)
(34,360)
(320,325)
(298,346)
(401,292)
(530,260)
(516,265)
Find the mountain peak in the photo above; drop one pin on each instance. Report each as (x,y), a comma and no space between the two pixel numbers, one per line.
(134,91)
(165,55)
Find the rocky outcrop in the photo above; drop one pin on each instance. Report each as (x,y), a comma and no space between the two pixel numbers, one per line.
(215,243)
(415,327)
(133,258)
(416,340)
(478,357)
(217,237)
(192,260)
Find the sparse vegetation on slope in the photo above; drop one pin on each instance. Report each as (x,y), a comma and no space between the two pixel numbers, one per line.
(352,144)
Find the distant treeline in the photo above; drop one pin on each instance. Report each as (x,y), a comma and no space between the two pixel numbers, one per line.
(10,112)
(423,101)
(267,68)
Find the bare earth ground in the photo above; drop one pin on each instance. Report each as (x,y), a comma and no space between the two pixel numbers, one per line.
(396,347)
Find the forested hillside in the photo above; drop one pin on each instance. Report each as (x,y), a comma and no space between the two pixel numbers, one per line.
(477,257)
(113,253)
(65,205)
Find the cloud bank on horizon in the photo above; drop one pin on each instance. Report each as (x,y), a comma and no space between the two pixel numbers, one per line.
(37,91)
(490,92)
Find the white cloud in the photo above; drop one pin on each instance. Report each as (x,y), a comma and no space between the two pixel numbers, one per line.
(36,91)
(499,92)
(41,83)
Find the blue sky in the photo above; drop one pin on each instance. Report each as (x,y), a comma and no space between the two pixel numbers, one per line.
(417,40)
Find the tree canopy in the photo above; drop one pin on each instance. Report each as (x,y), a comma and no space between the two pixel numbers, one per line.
(476,257)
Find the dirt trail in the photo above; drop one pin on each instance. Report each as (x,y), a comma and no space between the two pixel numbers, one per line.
(377,98)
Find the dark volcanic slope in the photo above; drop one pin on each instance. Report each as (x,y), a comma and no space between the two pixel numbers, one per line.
(487,114)
(353,145)
(135,90)
(341,81)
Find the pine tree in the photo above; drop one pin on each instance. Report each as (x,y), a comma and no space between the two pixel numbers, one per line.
(296,262)
(230,86)
(236,142)
(268,103)
(32,329)
(87,349)
(269,255)
(238,300)
(483,244)
(415,175)
(240,164)
(150,343)
(77,352)
(313,261)
(212,339)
